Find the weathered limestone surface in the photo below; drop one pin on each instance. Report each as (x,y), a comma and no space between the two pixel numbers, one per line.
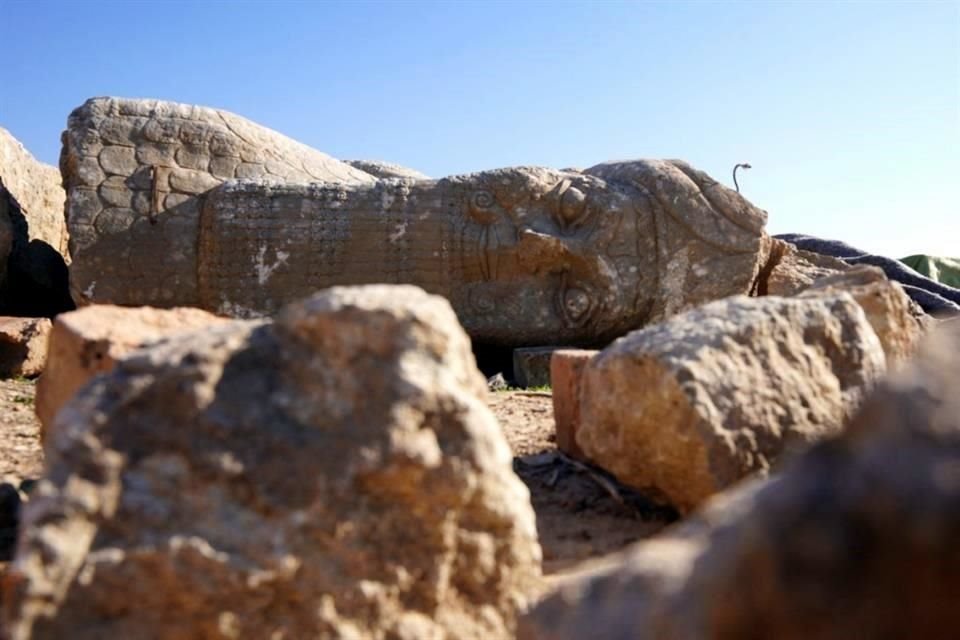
(380,169)
(690,406)
(37,190)
(526,256)
(566,375)
(898,321)
(857,539)
(335,474)
(89,341)
(23,346)
(33,234)
(133,170)
(795,270)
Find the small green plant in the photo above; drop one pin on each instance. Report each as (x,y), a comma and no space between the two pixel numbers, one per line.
(541,389)
(23,399)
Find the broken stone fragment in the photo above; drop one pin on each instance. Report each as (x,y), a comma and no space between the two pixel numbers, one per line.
(89,341)
(335,473)
(33,234)
(531,366)
(23,346)
(566,375)
(690,406)
(794,270)
(826,550)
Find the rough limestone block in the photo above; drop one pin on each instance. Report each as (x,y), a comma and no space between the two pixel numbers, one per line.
(692,405)
(566,373)
(23,346)
(857,539)
(335,474)
(33,234)
(531,366)
(89,341)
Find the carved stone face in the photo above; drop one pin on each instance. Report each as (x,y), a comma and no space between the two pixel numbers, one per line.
(553,257)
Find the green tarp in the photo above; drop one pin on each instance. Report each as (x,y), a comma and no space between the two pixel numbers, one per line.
(945,270)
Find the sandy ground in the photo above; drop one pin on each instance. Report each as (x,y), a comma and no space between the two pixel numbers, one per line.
(581,512)
(20,454)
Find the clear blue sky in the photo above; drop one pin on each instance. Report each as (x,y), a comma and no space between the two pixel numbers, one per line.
(849,112)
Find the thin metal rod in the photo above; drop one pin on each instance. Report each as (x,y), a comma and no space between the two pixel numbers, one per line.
(735,167)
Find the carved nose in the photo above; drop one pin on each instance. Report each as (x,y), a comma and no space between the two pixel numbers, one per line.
(539,252)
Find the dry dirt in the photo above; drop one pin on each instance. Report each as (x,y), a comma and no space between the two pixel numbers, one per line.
(581,512)
(20,454)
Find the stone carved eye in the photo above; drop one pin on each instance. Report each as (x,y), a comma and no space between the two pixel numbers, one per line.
(572,204)
(576,303)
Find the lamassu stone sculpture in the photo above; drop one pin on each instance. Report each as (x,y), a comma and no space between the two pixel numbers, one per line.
(525,255)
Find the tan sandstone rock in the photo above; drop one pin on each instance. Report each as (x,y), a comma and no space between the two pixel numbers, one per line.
(36,188)
(793,270)
(692,405)
(335,474)
(566,376)
(91,340)
(857,539)
(23,346)
(33,233)
(897,320)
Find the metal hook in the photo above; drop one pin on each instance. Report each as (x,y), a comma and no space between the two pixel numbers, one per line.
(744,165)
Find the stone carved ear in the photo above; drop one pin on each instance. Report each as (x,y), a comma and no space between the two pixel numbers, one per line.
(710,212)
(482,206)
